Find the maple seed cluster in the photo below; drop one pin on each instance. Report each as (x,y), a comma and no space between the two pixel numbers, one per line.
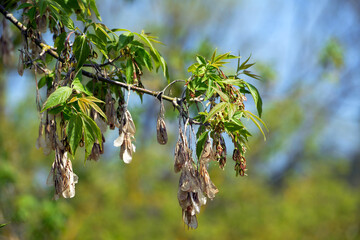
(195,185)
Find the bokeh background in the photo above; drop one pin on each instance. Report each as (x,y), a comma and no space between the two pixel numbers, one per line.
(303,182)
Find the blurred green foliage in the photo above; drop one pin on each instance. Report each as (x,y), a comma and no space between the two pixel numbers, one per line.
(138,201)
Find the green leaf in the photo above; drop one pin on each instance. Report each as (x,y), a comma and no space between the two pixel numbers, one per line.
(242,66)
(213,56)
(94,128)
(45,80)
(3,225)
(236,82)
(98,109)
(251,116)
(232,109)
(125,39)
(165,68)
(248,73)
(60,42)
(67,22)
(94,8)
(156,55)
(59,96)
(210,90)
(200,143)
(200,59)
(129,71)
(256,96)
(193,67)
(232,127)
(89,137)
(56,110)
(81,50)
(42,6)
(222,95)
(77,85)
(94,99)
(217,108)
(74,132)
(259,119)
(24,5)
(225,56)
(145,58)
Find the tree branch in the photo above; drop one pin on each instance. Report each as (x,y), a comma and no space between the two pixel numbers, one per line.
(54,54)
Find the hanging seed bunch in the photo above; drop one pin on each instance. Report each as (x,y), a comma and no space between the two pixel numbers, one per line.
(126,134)
(62,176)
(84,75)
(161,126)
(195,185)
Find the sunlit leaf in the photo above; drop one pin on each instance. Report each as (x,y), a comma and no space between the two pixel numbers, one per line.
(200,143)
(60,42)
(89,136)
(242,66)
(93,99)
(125,39)
(74,132)
(77,85)
(200,59)
(222,95)
(94,8)
(81,50)
(59,96)
(98,109)
(129,71)
(67,22)
(94,128)
(256,96)
(3,225)
(217,108)
(259,119)
(256,123)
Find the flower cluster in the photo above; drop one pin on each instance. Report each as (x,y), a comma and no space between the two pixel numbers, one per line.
(240,161)
(220,148)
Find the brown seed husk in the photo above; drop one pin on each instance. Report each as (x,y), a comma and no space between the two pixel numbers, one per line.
(161,131)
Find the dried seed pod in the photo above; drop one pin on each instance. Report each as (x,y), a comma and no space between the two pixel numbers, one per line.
(161,126)
(95,152)
(189,182)
(182,152)
(207,186)
(62,176)
(126,137)
(110,110)
(207,154)
(100,122)
(161,131)
(189,218)
(21,64)
(42,24)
